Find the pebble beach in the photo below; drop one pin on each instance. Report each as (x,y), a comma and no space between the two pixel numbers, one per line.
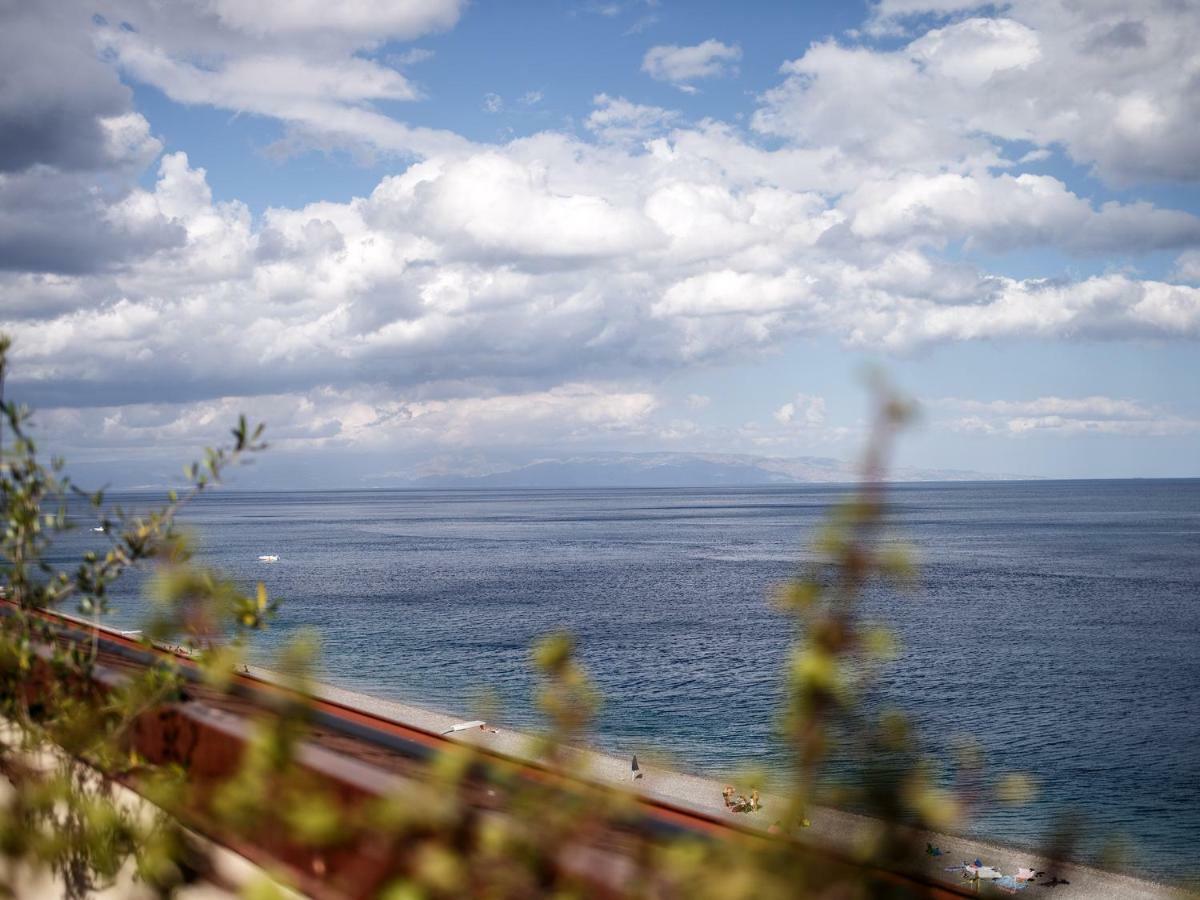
(832,828)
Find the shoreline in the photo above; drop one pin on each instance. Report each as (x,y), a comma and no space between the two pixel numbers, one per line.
(833,828)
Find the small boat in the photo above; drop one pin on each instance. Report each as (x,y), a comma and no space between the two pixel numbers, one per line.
(268,557)
(100,528)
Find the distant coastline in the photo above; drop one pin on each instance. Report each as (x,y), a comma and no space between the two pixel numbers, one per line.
(682,470)
(467,485)
(585,471)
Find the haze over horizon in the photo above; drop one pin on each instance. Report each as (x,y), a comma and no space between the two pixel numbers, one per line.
(426,236)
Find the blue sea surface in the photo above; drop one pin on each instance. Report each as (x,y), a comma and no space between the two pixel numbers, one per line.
(1056,623)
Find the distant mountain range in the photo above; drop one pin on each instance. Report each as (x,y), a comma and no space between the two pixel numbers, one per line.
(682,470)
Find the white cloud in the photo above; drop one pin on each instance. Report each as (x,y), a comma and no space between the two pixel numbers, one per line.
(1006,212)
(493,103)
(411,57)
(698,401)
(1113,86)
(1095,406)
(545,261)
(617,120)
(653,244)
(364,18)
(803,410)
(300,63)
(1109,306)
(1187,266)
(490,205)
(366,419)
(682,65)
(801,425)
(532,98)
(1065,416)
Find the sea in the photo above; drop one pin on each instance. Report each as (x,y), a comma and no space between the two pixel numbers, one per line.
(1054,625)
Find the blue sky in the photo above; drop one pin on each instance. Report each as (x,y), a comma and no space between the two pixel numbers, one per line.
(426,236)
(565,53)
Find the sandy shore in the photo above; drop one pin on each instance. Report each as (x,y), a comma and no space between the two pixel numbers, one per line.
(829,827)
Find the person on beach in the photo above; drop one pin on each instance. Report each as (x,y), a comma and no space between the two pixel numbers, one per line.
(741,803)
(637,772)
(727,796)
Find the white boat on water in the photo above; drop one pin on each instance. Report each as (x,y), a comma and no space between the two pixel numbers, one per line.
(99,528)
(268,557)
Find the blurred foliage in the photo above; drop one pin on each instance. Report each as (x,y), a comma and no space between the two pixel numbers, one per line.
(464,828)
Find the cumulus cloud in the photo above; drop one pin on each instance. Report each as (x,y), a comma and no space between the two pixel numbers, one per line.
(304,64)
(617,120)
(801,425)
(803,410)
(1007,212)
(1065,416)
(527,269)
(682,65)
(411,57)
(52,221)
(544,261)
(71,150)
(365,20)
(59,103)
(366,418)
(1187,266)
(1114,88)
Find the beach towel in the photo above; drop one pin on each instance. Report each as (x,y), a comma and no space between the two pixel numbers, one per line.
(978,870)
(1009,884)
(1024,874)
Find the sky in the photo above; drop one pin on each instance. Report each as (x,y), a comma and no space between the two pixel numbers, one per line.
(418,237)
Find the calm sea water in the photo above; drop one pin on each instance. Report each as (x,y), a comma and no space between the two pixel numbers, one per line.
(1057,623)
